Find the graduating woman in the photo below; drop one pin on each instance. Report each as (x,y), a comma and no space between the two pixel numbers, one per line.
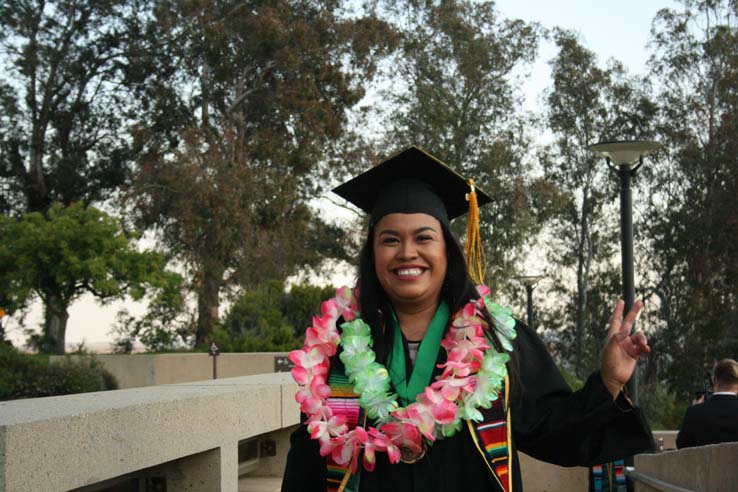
(416,380)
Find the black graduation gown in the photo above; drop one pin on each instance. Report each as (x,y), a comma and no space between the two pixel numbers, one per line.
(549,422)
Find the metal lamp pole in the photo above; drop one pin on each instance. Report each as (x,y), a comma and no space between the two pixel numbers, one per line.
(529,281)
(624,154)
(626,254)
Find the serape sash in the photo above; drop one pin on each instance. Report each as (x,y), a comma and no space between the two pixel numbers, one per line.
(492,437)
(343,401)
(609,477)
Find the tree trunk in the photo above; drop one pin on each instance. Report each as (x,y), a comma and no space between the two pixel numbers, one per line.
(55,325)
(208,302)
(584,262)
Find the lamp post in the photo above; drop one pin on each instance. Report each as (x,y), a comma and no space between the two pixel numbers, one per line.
(625,155)
(529,281)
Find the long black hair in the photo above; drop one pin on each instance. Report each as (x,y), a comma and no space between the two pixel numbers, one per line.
(456,291)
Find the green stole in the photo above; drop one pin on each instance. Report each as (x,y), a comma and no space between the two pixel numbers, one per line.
(425,361)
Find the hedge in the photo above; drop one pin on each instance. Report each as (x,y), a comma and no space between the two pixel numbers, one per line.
(34,376)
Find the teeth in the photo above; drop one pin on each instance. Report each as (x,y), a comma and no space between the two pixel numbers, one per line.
(408,272)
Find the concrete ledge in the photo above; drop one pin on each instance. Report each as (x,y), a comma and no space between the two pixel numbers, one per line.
(137,370)
(65,442)
(702,469)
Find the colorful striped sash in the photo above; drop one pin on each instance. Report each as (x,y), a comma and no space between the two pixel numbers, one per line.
(491,436)
(609,477)
(343,401)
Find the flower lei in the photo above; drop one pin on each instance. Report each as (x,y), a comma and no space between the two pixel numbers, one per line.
(472,378)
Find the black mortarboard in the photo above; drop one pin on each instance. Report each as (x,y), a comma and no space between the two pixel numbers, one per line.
(411,181)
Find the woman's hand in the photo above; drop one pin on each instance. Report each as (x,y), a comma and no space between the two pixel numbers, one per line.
(622,349)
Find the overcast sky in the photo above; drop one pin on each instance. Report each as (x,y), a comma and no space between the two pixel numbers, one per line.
(618,30)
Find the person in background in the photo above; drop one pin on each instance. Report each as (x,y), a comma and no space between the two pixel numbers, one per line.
(713,420)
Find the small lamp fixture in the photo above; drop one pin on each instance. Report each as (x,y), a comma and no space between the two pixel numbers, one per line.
(625,152)
(529,281)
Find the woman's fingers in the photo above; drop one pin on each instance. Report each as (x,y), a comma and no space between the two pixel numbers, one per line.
(631,318)
(634,345)
(616,319)
(641,342)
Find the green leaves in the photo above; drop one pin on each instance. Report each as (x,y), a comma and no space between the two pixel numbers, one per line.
(70,251)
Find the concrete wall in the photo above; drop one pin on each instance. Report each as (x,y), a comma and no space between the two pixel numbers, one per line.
(539,476)
(702,469)
(139,370)
(190,431)
(189,434)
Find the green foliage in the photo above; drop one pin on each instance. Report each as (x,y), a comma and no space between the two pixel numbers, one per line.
(164,328)
(67,252)
(690,213)
(244,101)
(302,302)
(662,408)
(33,376)
(268,319)
(63,100)
(456,95)
(574,382)
(587,103)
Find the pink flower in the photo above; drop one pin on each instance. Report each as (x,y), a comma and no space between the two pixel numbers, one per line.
(465,350)
(451,388)
(344,448)
(325,341)
(483,290)
(418,414)
(442,410)
(347,300)
(401,435)
(322,430)
(378,441)
(308,364)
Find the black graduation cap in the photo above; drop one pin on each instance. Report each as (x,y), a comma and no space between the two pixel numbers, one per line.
(411,181)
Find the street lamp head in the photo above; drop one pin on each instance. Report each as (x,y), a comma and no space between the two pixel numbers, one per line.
(625,152)
(529,280)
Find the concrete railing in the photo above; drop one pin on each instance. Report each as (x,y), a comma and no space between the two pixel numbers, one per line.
(201,436)
(189,435)
(701,469)
(138,370)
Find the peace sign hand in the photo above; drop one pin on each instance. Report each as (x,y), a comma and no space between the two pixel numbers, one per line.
(622,349)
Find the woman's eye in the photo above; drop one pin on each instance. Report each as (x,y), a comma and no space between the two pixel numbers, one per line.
(423,238)
(389,240)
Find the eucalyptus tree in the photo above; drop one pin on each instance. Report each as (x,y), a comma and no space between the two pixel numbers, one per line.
(245,103)
(586,103)
(692,218)
(455,92)
(63,100)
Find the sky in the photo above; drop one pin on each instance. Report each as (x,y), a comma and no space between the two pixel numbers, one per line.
(617,30)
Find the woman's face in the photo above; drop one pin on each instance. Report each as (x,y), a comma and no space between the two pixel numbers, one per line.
(410,258)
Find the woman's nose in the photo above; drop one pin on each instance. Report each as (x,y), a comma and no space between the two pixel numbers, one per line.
(407,250)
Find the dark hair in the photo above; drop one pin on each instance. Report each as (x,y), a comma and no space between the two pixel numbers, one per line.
(726,372)
(375,307)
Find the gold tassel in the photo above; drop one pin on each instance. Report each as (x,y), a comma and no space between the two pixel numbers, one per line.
(475,259)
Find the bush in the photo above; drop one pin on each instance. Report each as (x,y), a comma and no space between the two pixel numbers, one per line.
(268,319)
(662,408)
(34,376)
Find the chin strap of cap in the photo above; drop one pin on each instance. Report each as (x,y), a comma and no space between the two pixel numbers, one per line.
(475,259)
